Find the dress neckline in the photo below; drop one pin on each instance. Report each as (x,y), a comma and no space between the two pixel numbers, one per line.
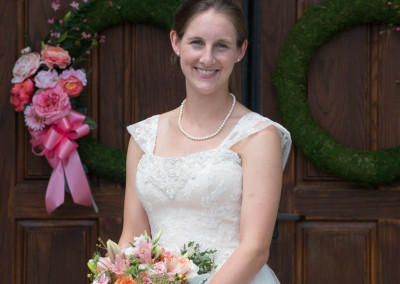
(156,122)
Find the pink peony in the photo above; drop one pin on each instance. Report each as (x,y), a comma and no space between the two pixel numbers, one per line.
(55,56)
(46,79)
(25,67)
(51,104)
(72,81)
(21,94)
(33,121)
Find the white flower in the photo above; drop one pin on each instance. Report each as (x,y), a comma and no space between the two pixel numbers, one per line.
(113,250)
(46,79)
(32,120)
(26,50)
(25,67)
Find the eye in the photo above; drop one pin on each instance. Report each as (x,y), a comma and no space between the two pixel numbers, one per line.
(196,42)
(222,45)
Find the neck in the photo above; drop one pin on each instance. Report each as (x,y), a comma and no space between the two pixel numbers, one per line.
(203,109)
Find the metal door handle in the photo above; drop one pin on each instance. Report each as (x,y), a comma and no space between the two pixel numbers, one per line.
(285,217)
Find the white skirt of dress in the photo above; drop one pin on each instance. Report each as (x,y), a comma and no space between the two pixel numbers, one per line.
(265,276)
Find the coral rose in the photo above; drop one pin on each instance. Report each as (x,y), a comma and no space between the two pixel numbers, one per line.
(25,67)
(72,86)
(51,104)
(72,81)
(53,55)
(21,94)
(125,279)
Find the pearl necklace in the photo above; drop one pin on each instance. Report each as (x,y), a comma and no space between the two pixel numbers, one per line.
(208,136)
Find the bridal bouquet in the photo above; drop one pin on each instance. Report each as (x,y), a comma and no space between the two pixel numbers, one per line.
(145,261)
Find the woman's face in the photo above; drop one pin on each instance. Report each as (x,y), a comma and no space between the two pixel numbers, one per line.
(208,51)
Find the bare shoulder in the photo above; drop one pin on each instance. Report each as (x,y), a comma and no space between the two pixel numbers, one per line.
(168,118)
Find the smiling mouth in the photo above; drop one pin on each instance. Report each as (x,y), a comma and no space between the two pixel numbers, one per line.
(206,72)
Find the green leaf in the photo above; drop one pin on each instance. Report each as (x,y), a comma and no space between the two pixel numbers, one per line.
(62,37)
(89,121)
(43,45)
(66,17)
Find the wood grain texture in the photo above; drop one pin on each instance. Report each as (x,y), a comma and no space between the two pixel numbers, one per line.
(336,252)
(389,251)
(54,251)
(347,203)
(277,18)
(8,55)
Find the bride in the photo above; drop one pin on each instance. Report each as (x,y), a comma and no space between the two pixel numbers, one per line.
(209,171)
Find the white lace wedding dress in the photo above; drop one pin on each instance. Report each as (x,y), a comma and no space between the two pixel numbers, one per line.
(198,197)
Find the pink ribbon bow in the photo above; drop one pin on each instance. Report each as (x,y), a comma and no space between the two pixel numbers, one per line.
(59,148)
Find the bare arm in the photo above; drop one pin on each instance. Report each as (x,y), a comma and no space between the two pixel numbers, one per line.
(135,217)
(262,181)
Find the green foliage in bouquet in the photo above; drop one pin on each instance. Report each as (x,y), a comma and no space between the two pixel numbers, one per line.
(318,25)
(203,259)
(92,18)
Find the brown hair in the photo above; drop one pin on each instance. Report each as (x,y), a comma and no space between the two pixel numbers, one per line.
(191,8)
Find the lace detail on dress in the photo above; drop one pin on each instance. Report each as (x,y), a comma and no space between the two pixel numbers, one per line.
(144,133)
(193,198)
(252,123)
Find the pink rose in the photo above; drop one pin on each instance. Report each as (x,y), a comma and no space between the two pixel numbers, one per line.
(21,94)
(25,67)
(56,56)
(72,82)
(51,104)
(46,79)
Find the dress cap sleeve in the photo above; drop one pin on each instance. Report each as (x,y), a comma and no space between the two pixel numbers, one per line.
(144,133)
(252,123)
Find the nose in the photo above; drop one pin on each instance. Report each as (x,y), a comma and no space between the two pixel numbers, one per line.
(207,57)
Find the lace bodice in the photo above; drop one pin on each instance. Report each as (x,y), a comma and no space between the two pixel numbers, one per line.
(196,197)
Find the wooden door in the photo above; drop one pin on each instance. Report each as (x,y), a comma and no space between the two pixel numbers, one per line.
(349,234)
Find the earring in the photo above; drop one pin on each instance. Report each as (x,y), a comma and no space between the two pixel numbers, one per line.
(178,53)
(237,60)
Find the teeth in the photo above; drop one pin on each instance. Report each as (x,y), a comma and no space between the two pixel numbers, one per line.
(205,72)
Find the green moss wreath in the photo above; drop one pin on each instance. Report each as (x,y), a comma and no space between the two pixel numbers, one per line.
(319,24)
(98,15)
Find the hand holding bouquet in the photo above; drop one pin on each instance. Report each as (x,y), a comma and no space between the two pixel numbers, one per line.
(149,263)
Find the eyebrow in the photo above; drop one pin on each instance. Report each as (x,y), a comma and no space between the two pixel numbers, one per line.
(219,40)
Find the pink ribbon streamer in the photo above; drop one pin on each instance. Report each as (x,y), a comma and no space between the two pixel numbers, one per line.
(58,146)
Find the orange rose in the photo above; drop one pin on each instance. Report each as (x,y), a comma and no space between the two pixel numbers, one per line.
(125,279)
(55,56)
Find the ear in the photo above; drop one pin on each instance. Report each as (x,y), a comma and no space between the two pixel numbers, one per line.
(242,49)
(175,41)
